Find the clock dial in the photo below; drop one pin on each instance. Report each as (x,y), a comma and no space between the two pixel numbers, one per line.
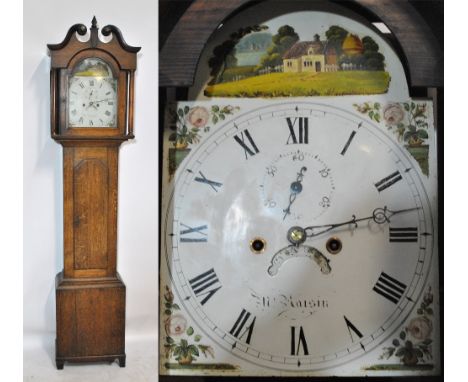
(299,236)
(92,95)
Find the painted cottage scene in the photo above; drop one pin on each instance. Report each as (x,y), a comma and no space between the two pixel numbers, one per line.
(255,63)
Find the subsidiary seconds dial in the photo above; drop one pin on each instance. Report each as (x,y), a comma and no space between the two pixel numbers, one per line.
(255,180)
(297,180)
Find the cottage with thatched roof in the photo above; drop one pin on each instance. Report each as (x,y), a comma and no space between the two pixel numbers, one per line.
(310,56)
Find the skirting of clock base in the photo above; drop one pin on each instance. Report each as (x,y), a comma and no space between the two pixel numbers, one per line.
(90,320)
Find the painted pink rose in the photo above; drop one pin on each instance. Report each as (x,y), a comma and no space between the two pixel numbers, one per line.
(420,328)
(198,116)
(393,113)
(175,325)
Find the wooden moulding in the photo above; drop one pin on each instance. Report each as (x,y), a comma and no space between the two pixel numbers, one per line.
(180,54)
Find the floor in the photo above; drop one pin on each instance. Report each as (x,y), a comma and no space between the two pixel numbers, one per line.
(141,364)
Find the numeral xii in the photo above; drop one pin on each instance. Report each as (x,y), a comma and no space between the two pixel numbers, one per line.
(298,130)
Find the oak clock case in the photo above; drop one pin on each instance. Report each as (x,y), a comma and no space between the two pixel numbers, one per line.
(92,96)
(298,233)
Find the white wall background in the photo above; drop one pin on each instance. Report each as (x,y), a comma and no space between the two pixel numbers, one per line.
(47,21)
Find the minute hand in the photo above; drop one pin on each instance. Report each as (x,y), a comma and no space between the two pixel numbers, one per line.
(379,215)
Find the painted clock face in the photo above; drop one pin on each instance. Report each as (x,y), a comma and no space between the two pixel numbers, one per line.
(298,236)
(92,95)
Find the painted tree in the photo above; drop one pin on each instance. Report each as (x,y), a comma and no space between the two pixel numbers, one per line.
(280,43)
(373,59)
(224,55)
(335,36)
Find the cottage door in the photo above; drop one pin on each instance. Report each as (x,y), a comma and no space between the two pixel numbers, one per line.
(318,66)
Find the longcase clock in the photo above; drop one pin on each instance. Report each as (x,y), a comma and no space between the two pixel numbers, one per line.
(92,93)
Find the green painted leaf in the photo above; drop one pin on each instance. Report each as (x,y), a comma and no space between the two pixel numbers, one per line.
(215,119)
(222,116)
(169,340)
(180,112)
(215,108)
(197,338)
(377,117)
(189,331)
(407,107)
(186,109)
(168,312)
(401,352)
(376,106)
(402,335)
(175,306)
(423,134)
(371,114)
(193,350)
(395,342)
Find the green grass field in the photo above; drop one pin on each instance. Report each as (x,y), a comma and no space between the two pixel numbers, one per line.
(304,84)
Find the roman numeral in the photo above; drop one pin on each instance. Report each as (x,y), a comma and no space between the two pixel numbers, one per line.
(351,327)
(301,341)
(388,181)
(81,85)
(403,235)
(243,326)
(345,148)
(108,93)
(250,148)
(389,288)
(206,284)
(107,112)
(202,236)
(110,103)
(81,120)
(211,183)
(302,135)
(91,82)
(91,123)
